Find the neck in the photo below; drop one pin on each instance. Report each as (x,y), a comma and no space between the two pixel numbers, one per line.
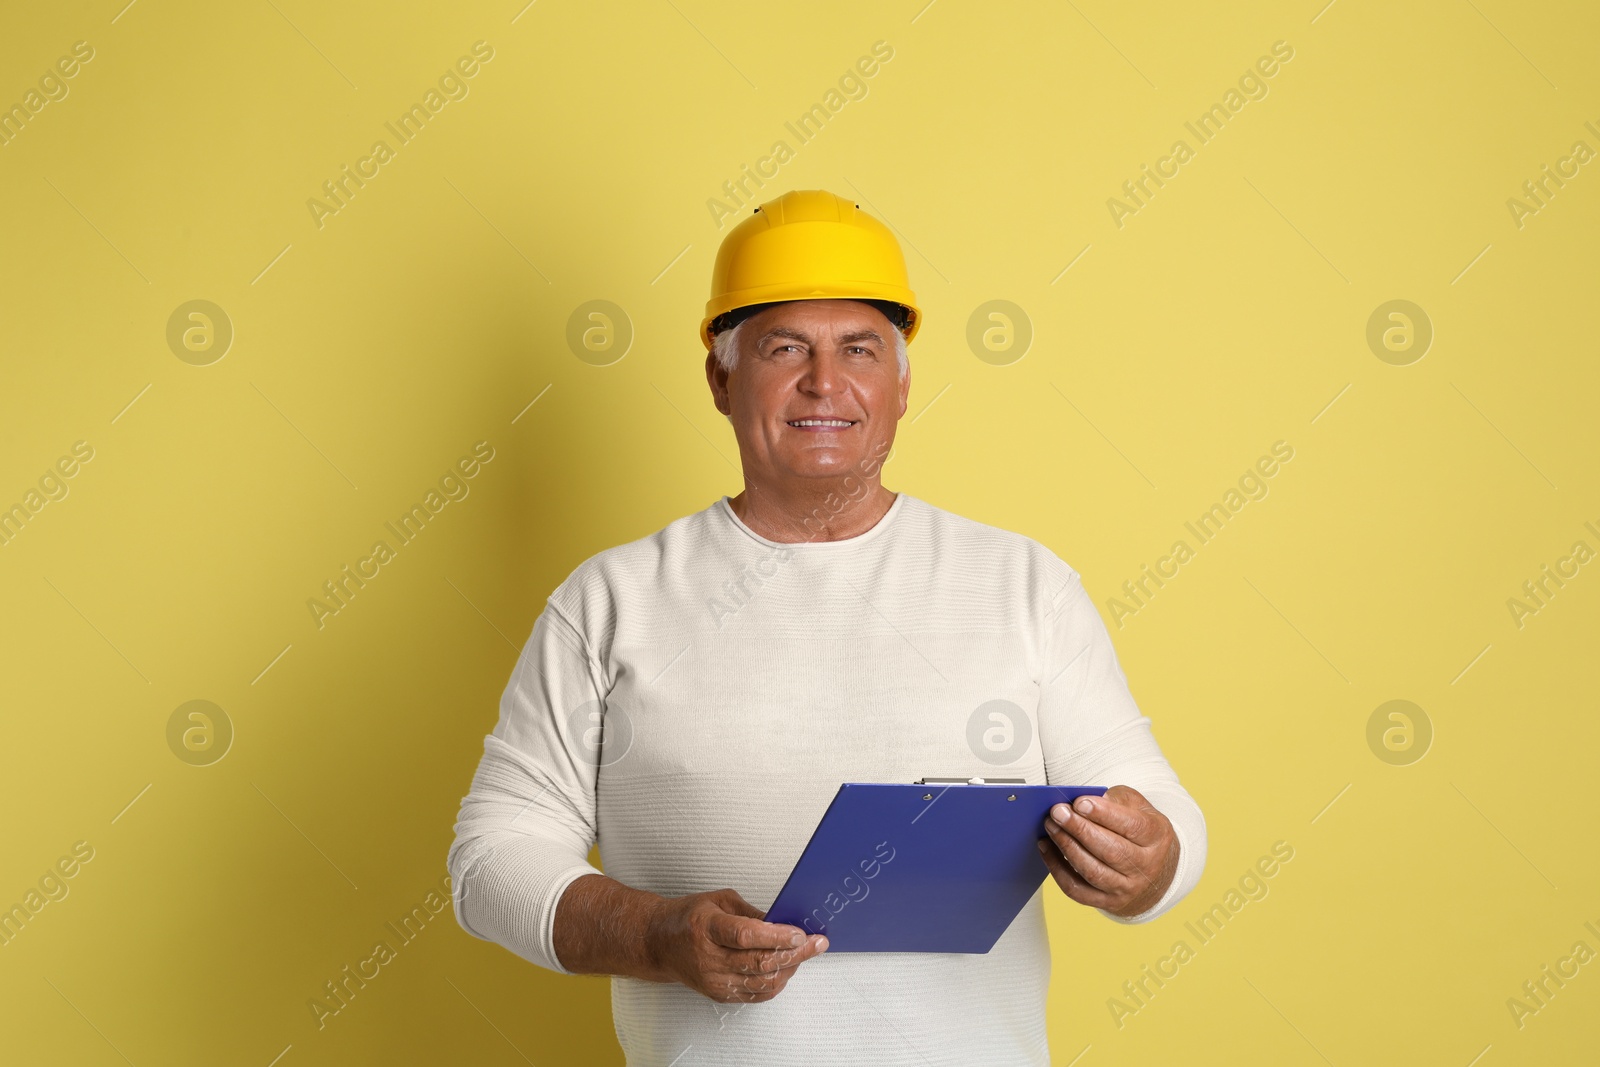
(815,510)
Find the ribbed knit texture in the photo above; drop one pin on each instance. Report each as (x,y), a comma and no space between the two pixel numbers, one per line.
(741,681)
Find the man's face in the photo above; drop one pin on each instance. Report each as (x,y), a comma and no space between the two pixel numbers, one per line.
(810,359)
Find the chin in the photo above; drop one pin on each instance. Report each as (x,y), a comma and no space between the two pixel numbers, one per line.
(816,466)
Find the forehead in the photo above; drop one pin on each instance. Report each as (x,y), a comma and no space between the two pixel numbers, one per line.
(807,315)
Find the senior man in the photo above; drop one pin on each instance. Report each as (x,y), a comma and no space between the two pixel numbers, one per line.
(692,700)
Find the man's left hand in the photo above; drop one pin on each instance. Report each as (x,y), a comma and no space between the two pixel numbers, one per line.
(1115,852)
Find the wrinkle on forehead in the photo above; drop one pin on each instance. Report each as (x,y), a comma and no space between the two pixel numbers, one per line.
(796,334)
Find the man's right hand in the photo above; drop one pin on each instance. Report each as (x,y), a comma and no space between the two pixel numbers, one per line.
(718,945)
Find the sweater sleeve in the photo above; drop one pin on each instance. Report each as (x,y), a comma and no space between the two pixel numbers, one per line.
(526,827)
(1093,733)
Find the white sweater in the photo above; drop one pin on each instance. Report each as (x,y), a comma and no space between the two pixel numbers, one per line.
(741,681)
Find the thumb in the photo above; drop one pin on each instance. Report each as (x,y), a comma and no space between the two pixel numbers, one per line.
(730,901)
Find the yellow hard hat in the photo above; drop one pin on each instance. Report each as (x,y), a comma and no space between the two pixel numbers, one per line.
(809,244)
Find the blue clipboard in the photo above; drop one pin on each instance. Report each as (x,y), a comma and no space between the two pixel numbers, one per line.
(921,868)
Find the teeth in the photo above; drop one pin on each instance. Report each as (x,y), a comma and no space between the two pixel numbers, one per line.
(820,422)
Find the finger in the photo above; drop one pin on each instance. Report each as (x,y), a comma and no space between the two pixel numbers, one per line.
(764,961)
(749,982)
(1089,867)
(1129,883)
(1125,810)
(1108,847)
(762,986)
(752,983)
(756,988)
(739,988)
(744,932)
(1114,814)
(1071,883)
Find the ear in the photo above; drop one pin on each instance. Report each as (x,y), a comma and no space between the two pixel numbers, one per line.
(905,387)
(717,379)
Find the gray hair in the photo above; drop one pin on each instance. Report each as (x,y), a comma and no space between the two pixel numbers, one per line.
(725,346)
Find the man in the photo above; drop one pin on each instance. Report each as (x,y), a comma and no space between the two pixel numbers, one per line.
(693,699)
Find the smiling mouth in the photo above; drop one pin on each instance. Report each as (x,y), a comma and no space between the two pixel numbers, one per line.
(821,424)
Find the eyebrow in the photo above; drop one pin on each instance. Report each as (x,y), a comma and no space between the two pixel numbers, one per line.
(864,334)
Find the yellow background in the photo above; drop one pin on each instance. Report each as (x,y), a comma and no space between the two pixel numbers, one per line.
(428,313)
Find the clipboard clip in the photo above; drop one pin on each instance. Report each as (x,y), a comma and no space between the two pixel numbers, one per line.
(971,781)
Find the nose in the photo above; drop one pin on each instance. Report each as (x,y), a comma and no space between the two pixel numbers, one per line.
(822,372)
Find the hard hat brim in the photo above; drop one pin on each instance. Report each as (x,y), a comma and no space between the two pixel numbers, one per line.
(779,294)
